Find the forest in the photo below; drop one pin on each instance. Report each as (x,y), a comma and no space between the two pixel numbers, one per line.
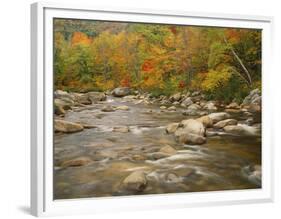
(223,63)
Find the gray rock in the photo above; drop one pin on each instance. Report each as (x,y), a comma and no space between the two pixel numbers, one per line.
(188,138)
(107,108)
(210,106)
(191,126)
(96,96)
(186,102)
(175,97)
(121,91)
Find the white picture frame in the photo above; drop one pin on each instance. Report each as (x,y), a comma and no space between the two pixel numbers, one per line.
(42,203)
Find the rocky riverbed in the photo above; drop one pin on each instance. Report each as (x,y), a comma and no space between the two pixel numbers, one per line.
(127,143)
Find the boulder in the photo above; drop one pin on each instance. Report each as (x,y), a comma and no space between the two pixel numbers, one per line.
(175,97)
(223,123)
(163,107)
(67,127)
(172,108)
(206,121)
(58,109)
(168,150)
(195,93)
(80,161)
(216,117)
(63,103)
(186,102)
(121,91)
(96,96)
(83,99)
(242,129)
(188,138)
(194,107)
(124,107)
(253,174)
(136,181)
(210,106)
(172,127)
(191,126)
(107,108)
(252,98)
(233,105)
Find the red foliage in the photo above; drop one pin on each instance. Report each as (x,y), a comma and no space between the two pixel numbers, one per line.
(173,29)
(181,84)
(126,82)
(147,66)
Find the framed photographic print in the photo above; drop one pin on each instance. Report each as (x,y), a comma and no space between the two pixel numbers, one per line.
(138,109)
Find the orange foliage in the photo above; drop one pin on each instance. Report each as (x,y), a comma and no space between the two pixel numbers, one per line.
(147,66)
(80,38)
(126,82)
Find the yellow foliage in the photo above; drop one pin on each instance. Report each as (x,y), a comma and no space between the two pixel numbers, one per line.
(216,79)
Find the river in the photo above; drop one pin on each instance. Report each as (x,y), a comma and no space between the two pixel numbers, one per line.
(216,165)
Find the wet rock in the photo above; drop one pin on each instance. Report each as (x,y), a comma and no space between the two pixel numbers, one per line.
(210,106)
(223,123)
(96,96)
(107,108)
(157,155)
(233,105)
(241,129)
(171,128)
(62,103)
(80,161)
(136,181)
(172,108)
(206,121)
(83,99)
(191,126)
(124,107)
(67,127)
(175,97)
(216,117)
(194,107)
(172,178)
(253,174)
(253,108)
(186,102)
(163,107)
(122,129)
(192,112)
(58,109)
(168,150)
(250,121)
(253,98)
(232,110)
(121,91)
(138,157)
(188,138)
(195,93)
(176,103)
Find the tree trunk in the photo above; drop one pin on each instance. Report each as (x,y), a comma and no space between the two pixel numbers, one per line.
(249,79)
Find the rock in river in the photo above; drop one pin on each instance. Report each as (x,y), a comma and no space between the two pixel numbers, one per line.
(168,150)
(80,161)
(96,96)
(223,123)
(216,117)
(175,97)
(186,102)
(67,127)
(108,108)
(136,181)
(124,107)
(121,91)
(206,121)
(188,138)
(172,127)
(122,129)
(191,126)
(242,129)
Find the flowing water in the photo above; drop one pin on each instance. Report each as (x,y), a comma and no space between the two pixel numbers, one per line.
(216,165)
